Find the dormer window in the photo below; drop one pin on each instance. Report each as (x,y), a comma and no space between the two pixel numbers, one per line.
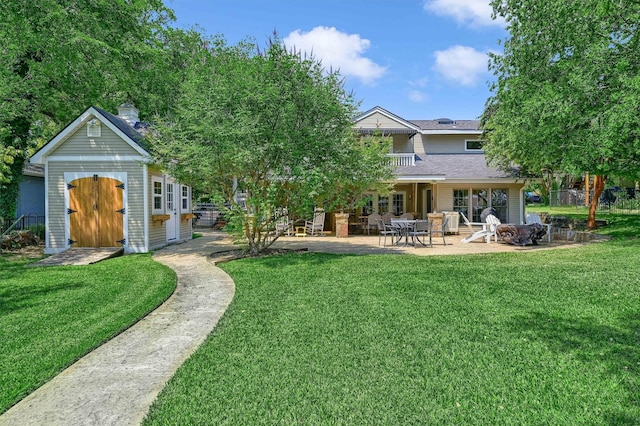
(93,129)
(473,145)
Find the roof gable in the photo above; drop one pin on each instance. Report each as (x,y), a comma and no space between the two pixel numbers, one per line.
(380,119)
(120,127)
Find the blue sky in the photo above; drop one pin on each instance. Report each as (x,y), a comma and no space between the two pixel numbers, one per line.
(419,59)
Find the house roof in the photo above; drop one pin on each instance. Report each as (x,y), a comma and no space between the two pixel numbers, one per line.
(35,170)
(466,166)
(447,124)
(435,126)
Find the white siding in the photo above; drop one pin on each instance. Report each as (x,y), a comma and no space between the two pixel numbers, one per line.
(445,144)
(376,120)
(107,144)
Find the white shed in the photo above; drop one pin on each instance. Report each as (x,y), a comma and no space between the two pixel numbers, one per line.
(101,189)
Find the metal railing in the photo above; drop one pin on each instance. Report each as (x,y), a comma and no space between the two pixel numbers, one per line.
(612,200)
(34,223)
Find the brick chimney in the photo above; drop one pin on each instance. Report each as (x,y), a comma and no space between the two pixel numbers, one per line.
(128,113)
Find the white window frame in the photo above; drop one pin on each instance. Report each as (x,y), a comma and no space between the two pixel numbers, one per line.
(185,197)
(489,194)
(94,130)
(375,197)
(154,195)
(466,145)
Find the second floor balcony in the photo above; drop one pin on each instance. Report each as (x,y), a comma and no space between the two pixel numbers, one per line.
(403,159)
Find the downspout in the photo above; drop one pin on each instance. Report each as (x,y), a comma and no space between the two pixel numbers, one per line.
(522,205)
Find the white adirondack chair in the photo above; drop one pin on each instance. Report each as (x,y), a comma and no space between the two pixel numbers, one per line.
(488,230)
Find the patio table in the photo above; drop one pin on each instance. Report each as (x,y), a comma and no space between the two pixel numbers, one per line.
(403,227)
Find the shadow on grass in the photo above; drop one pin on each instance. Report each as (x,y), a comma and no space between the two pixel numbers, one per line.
(615,347)
(24,296)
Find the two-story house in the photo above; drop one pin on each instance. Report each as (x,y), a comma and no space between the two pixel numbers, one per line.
(440,166)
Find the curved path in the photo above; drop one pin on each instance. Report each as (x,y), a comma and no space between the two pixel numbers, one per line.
(116,383)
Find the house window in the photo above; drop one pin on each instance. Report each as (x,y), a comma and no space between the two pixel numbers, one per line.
(185,198)
(461,201)
(383,205)
(394,204)
(157,195)
(93,129)
(480,201)
(367,207)
(397,200)
(499,201)
(473,145)
(498,198)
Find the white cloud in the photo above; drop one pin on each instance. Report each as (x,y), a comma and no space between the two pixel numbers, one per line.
(337,50)
(461,64)
(417,96)
(475,12)
(419,83)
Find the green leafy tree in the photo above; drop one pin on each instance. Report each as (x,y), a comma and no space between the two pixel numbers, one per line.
(60,56)
(272,123)
(567,94)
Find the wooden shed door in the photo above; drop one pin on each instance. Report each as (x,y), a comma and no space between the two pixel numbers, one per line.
(96,213)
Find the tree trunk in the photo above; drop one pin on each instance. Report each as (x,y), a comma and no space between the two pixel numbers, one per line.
(598,187)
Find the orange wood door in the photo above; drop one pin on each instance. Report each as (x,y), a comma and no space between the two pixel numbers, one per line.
(96,214)
(83,215)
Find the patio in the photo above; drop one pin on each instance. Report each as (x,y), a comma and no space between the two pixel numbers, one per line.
(368,244)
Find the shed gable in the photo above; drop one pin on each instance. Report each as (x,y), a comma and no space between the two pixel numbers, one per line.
(107,144)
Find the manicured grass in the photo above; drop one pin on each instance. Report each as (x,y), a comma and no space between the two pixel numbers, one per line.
(50,317)
(545,337)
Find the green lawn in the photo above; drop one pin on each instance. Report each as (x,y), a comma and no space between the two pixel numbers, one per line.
(544,337)
(49,317)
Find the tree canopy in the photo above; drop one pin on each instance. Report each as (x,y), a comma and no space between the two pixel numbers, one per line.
(567,95)
(274,124)
(59,57)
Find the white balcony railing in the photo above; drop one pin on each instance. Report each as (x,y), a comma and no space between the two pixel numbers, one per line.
(408,159)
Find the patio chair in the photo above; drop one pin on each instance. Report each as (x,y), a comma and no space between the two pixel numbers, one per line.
(407,216)
(420,229)
(384,230)
(438,229)
(284,225)
(386,218)
(372,222)
(535,218)
(315,227)
(471,225)
(488,230)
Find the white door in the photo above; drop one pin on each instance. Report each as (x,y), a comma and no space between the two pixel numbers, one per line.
(172,210)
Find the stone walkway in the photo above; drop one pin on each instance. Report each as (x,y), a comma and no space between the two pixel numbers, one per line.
(117,382)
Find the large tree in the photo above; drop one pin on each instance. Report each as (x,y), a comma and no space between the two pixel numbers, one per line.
(60,56)
(567,95)
(274,124)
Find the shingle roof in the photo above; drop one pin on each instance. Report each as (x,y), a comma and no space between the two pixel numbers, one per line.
(36,170)
(134,133)
(453,166)
(451,125)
